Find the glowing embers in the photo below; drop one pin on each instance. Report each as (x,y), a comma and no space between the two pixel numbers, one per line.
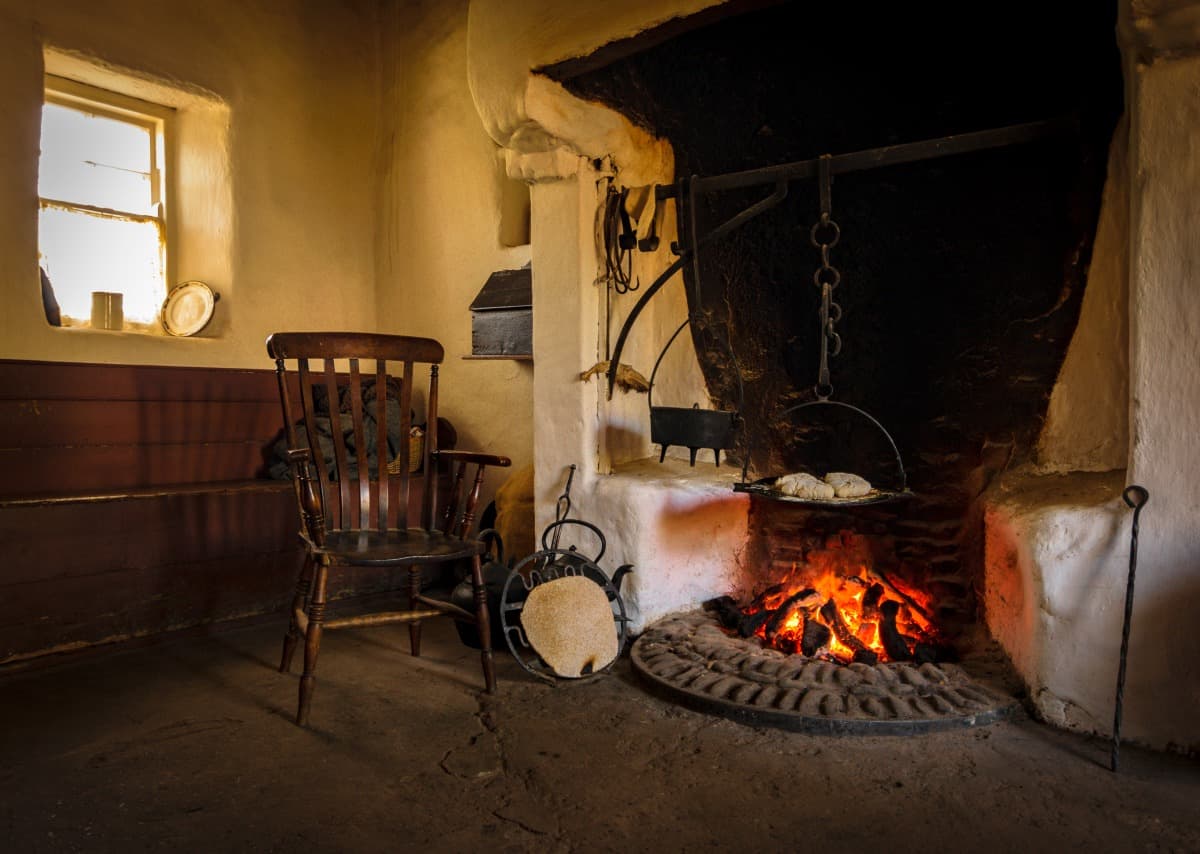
(839,607)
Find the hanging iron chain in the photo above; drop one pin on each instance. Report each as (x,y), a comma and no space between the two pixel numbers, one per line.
(824,235)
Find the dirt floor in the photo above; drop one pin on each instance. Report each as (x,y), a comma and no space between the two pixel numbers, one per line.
(188,745)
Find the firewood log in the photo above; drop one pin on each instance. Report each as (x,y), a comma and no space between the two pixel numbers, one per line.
(815,638)
(756,614)
(797,601)
(833,617)
(726,610)
(893,642)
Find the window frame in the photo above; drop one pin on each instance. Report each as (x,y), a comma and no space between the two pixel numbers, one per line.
(158,120)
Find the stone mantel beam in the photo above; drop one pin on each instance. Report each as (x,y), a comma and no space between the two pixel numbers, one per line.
(1160,28)
(528,113)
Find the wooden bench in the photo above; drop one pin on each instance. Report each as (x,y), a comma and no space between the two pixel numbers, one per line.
(133,501)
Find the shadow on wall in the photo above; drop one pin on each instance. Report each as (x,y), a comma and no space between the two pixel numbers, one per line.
(623,443)
(1162,683)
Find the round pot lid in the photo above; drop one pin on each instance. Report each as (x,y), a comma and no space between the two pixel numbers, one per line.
(188,308)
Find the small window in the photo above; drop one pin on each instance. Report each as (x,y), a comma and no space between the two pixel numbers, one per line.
(102,206)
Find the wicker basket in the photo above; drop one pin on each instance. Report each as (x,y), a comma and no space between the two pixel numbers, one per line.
(416,452)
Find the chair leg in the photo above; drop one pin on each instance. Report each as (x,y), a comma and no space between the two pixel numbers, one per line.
(299,601)
(414,628)
(484,625)
(312,643)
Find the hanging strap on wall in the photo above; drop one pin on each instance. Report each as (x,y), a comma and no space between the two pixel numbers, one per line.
(824,236)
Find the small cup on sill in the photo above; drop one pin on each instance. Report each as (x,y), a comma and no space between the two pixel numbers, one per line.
(108,310)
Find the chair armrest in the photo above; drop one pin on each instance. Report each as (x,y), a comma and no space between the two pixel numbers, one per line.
(312,513)
(460,525)
(474,457)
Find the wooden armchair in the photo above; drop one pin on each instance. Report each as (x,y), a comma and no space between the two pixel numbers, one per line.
(353,505)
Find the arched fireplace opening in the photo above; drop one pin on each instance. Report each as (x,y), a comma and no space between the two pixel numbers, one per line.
(962,277)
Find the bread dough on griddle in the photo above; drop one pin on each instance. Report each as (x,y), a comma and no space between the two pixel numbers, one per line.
(846,485)
(804,485)
(569,623)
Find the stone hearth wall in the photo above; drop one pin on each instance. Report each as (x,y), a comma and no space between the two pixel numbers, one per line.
(1050,538)
(962,276)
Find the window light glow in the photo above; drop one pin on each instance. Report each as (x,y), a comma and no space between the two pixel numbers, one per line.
(84,252)
(100,224)
(95,160)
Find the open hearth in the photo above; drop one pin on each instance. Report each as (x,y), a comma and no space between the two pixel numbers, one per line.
(842,638)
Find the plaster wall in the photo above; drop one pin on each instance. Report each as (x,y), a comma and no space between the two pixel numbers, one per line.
(566,324)
(576,317)
(287,237)
(440,201)
(682,528)
(441,205)
(1164,665)
(1087,421)
(1056,552)
(1057,547)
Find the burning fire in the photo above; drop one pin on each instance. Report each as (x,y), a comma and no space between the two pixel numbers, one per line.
(837,605)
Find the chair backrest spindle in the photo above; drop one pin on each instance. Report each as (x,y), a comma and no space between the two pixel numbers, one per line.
(345,505)
(307,379)
(289,426)
(405,453)
(360,447)
(468,514)
(456,520)
(381,445)
(450,516)
(428,521)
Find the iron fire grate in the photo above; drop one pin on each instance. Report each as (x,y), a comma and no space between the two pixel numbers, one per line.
(688,658)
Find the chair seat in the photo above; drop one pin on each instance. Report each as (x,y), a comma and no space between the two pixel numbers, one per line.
(395,547)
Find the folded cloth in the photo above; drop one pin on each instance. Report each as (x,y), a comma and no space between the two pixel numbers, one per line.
(323,424)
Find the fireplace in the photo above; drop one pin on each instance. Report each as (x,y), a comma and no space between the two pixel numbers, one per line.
(840,601)
(998,473)
(960,278)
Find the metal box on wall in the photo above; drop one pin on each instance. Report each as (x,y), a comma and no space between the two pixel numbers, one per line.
(502,316)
